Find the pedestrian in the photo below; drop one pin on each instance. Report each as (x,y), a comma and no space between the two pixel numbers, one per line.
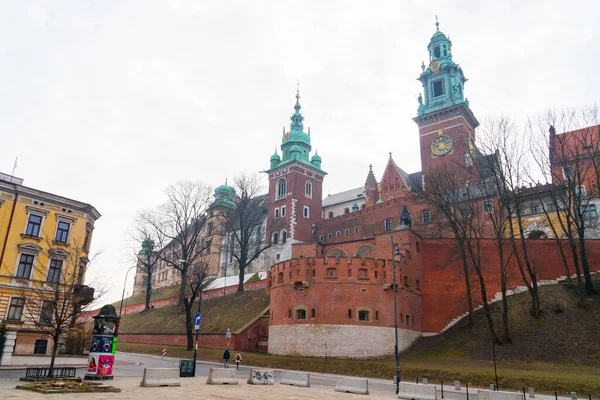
(238,359)
(226,357)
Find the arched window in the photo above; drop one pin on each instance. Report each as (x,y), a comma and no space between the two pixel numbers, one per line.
(283,237)
(408,321)
(281,188)
(346,210)
(330,214)
(337,252)
(275,238)
(308,189)
(363,250)
(363,206)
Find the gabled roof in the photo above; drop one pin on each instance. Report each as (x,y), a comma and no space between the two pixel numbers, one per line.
(344,197)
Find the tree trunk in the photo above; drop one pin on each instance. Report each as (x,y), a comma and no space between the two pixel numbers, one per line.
(589,285)
(188,323)
(242,265)
(507,338)
(148,291)
(55,339)
(580,291)
(467,282)
(183,285)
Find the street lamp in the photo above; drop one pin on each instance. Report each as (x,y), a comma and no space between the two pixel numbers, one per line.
(395,252)
(124,285)
(198,326)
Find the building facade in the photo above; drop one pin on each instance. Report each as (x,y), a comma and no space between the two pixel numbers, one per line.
(44,239)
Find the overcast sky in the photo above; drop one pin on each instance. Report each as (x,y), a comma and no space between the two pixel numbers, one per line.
(109,102)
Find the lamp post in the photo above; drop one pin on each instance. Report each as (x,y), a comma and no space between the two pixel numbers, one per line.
(395,251)
(198,327)
(124,285)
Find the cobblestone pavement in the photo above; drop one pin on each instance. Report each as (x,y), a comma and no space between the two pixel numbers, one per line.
(193,388)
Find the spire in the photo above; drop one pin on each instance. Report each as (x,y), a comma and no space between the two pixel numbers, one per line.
(437,24)
(371,177)
(297,117)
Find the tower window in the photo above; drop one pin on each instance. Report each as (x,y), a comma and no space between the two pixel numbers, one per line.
(388,224)
(308,189)
(436,52)
(277,213)
(281,188)
(438,88)
(426,217)
(330,214)
(306,212)
(275,238)
(283,211)
(346,210)
(283,237)
(445,51)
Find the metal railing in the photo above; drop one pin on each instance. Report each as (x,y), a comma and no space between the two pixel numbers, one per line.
(43,372)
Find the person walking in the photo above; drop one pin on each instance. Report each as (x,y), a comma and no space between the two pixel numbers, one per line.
(238,359)
(226,357)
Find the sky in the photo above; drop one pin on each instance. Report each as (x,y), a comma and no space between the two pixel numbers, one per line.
(109,102)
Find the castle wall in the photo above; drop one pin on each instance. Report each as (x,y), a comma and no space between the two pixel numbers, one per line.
(337,340)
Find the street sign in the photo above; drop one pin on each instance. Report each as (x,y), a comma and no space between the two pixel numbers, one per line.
(196,327)
(197,319)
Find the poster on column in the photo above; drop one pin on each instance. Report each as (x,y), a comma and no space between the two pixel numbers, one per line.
(105,364)
(92,364)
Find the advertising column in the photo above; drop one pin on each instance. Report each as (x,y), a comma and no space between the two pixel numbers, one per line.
(104,344)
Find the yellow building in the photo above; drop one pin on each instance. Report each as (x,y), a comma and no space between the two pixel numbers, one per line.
(44,239)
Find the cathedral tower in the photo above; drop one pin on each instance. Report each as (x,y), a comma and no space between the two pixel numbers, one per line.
(446,123)
(295,188)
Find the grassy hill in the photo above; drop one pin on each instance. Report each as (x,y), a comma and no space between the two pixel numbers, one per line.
(232,311)
(558,352)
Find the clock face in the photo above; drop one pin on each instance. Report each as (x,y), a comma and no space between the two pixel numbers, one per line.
(441,145)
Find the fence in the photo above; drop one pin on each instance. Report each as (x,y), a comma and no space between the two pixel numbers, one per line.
(43,372)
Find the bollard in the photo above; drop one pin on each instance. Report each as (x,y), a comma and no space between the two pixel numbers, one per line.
(492,387)
(531,393)
(456,385)
(467,387)
(425,381)
(442,389)
(555,396)
(524,398)
(417,381)
(573,395)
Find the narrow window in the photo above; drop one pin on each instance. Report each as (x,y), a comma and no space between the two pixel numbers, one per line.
(289,314)
(314,273)
(15,310)
(418,247)
(408,321)
(426,217)
(275,238)
(321,238)
(280,277)
(277,213)
(377,315)
(350,313)
(88,237)
(306,212)
(375,274)
(337,234)
(283,211)
(33,225)
(62,232)
(209,229)
(330,214)
(290,274)
(346,210)
(25,266)
(281,188)
(329,235)
(406,281)
(46,313)
(356,230)
(346,231)
(438,88)
(388,224)
(437,52)
(283,237)
(54,270)
(308,189)
(418,285)
(313,313)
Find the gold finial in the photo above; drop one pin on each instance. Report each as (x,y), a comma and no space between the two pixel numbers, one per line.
(439,132)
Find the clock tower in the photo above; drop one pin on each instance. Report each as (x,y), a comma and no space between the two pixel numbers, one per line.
(446,123)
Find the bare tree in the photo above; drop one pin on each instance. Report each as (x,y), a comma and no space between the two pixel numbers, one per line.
(246,224)
(53,305)
(461,211)
(572,170)
(147,257)
(179,226)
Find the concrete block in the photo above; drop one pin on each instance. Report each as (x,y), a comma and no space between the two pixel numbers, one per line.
(222,376)
(261,377)
(425,381)
(498,395)
(483,395)
(456,385)
(296,379)
(352,385)
(154,377)
(492,387)
(413,391)
(573,395)
(531,393)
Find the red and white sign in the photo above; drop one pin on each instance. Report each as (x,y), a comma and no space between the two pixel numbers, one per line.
(164,352)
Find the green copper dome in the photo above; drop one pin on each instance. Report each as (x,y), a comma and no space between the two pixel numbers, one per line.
(275,159)
(316,157)
(225,196)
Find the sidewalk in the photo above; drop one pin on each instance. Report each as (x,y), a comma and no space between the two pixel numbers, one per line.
(197,388)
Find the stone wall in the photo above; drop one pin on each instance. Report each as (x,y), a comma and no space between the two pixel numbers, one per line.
(337,340)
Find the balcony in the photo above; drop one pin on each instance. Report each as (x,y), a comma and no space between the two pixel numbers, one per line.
(84,294)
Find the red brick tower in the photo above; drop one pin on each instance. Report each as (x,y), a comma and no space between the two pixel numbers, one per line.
(295,188)
(446,123)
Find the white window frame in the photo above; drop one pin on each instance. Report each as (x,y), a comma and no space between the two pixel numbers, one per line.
(329,236)
(338,234)
(281,239)
(356,229)
(66,220)
(279,194)
(321,238)
(282,211)
(385,224)
(580,190)
(347,231)
(428,213)
(308,189)
(276,213)
(306,212)
(37,212)
(585,213)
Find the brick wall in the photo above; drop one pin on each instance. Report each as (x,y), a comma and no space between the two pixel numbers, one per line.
(337,340)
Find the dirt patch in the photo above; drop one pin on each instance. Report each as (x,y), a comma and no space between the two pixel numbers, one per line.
(68,386)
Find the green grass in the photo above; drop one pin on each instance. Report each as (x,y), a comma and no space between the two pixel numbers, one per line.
(157,294)
(232,311)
